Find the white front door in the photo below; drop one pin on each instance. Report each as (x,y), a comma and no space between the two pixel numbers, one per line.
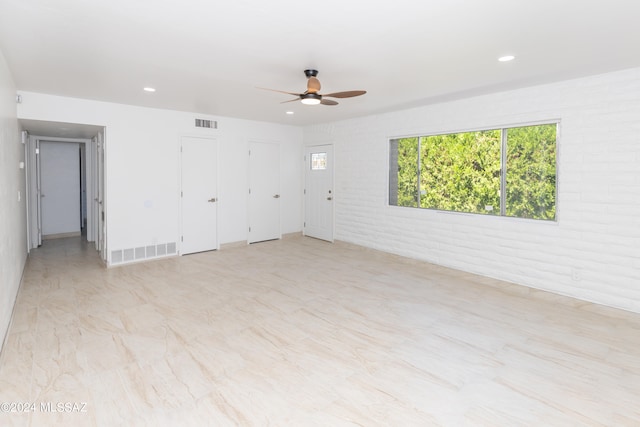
(264,192)
(319,195)
(199,195)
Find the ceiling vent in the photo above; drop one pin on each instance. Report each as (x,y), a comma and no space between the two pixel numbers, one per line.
(209,124)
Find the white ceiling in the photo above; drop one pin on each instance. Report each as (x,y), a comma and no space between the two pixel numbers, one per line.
(209,56)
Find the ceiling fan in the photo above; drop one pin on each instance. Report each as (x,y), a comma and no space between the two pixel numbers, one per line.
(311,96)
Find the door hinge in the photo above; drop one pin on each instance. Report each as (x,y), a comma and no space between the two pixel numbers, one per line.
(181,195)
(249,229)
(249,152)
(182,238)
(304,224)
(304,191)
(249,191)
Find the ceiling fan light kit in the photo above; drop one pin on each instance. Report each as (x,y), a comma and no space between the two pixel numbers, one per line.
(311,99)
(311,95)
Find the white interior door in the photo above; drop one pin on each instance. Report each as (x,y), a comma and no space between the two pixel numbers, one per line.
(92,230)
(60,186)
(199,195)
(100,205)
(34,191)
(264,192)
(318,212)
(39,192)
(90,175)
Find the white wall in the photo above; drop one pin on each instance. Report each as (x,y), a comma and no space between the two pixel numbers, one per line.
(13,235)
(143,166)
(60,184)
(592,252)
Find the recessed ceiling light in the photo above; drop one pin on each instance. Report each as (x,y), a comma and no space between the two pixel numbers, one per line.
(289,113)
(506,58)
(149,89)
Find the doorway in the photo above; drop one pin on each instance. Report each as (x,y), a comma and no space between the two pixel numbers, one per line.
(88,181)
(60,189)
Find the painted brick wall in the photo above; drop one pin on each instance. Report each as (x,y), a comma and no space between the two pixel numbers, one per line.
(592,252)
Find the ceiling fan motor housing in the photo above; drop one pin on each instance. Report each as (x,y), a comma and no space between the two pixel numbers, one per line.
(310,73)
(310,96)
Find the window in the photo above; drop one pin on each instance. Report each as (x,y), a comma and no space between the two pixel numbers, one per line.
(318,161)
(508,172)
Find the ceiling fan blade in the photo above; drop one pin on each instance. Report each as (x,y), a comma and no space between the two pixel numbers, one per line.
(347,94)
(280,91)
(313,85)
(291,100)
(328,102)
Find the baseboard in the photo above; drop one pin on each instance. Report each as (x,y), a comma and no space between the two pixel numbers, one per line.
(60,235)
(292,235)
(5,338)
(233,244)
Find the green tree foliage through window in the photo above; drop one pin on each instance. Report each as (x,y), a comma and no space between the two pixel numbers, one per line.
(467,172)
(461,172)
(408,172)
(531,172)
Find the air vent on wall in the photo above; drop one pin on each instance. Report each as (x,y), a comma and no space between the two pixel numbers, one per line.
(210,124)
(124,256)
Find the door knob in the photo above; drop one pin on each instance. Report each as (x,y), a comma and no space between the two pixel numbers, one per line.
(329,198)
(277,196)
(213,200)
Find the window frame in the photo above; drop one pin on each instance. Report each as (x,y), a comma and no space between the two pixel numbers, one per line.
(503,170)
